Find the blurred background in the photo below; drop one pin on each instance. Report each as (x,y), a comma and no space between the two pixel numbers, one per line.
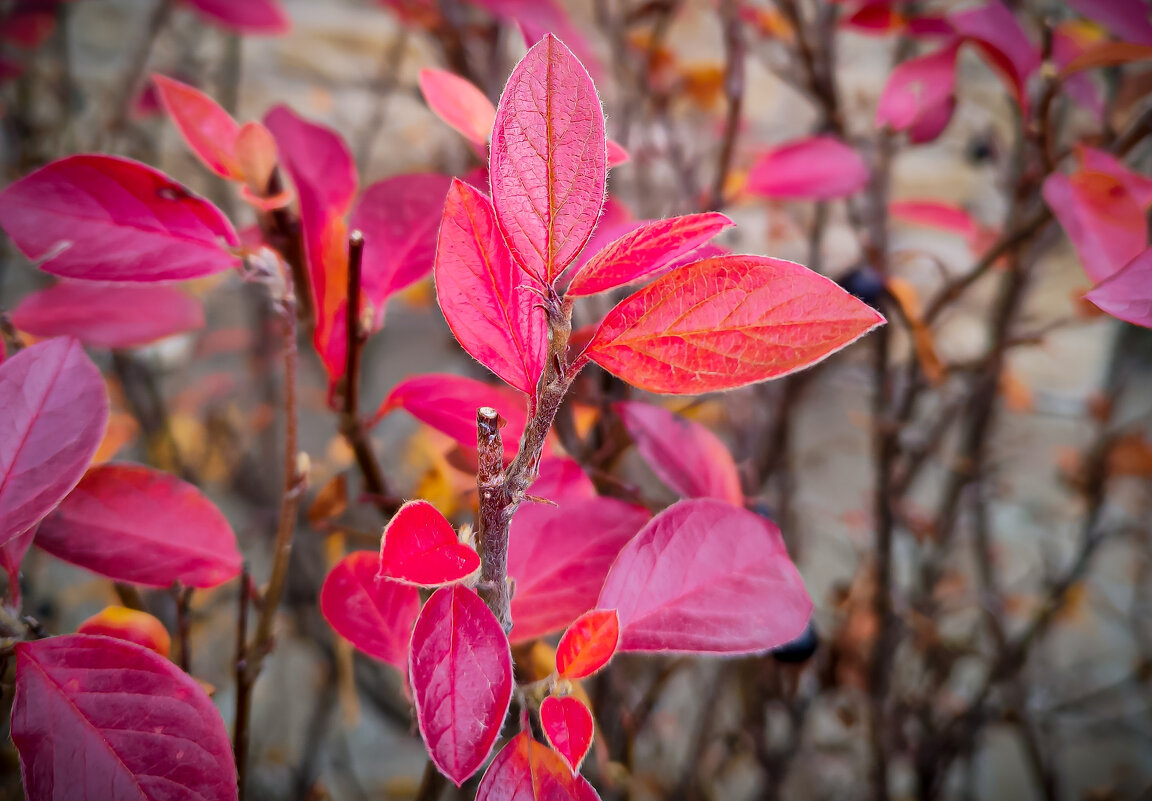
(966,492)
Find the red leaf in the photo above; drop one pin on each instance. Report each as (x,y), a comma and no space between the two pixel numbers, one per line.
(448,403)
(459,103)
(1001,40)
(135,524)
(919,94)
(245,16)
(130,625)
(725,322)
(875,18)
(568,725)
(1127,19)
(817,168)
(98,718)
(588,644)
(646,252)
(706,577)
(375,615)
(420,547)
(55,410)
(559,555)
(1127,294)
(398,217)
(461,674)
(321,168)
(207,129)
(484,296)
(685,455)
(108,316)
(105,218)
(548,159)
(1101,217)
(526,770)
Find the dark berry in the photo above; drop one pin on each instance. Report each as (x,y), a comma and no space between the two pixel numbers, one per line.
(865,283)
(800,649)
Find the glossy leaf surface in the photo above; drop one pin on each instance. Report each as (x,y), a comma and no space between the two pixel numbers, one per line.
(375,615)
(1127,295)
(548,163)
(55,410)
(568,725)
(588,644)
(98,719)
(209,130)
(448,403)
(646,252)
(685,455)
(817,168)
(461,674)
(526,770)
(142,526)
(130,625)
(108,315)
(105,218)
(559,555)
(706,577)
(726,322)
(420,547)
(485,296)
(459,103)
(244,16)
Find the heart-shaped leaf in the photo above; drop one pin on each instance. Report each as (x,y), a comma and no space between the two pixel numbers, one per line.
(685,455)
(706,577)
(548,162)
(420,547)
(105,218)
(484,296)
(726,322)
(108,316)
(588,644)
(817,168)
(207,128)
(461,674)
(99,719)
(647,252)
(55,410)
(374,614)
(568,725)
(143,526)
(526,770)
(130,625)
(459,103)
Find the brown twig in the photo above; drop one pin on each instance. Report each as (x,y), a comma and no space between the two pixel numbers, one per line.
(243,687)
(139,63)
(184,626)
(491,528)
(734,95)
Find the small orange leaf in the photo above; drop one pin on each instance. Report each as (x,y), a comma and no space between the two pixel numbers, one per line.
(129,625)
(922,339)
(330,502)
(1107,54)
(1017,394)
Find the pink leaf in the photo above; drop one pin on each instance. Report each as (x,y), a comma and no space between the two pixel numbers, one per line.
(398,217)
(1105,223)
(706,577)
(461,674)
(526,770)
(138,525)
(420,547)
(105,218)
(934,214)
(568,725)
(321,168)
(55,409)
(539,17)
(919,94)
(485,299)
(459,103)
(1127,294)
(548,160)
(448,403)
(244,16)
(646,252)
(617,155)
(727,322)
(995,31)
(1069,42)
(207,129)
(817,168)
(107,315)
(559,555)
(375,615)
(685,455)
(588,644)
(1126,19)
(98,718)
(1139,186)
